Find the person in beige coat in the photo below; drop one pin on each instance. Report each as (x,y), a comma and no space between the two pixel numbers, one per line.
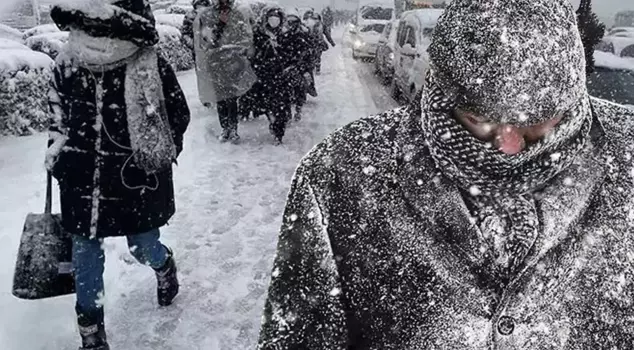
(223,42)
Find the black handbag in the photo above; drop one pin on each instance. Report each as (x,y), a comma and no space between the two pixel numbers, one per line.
(44,264)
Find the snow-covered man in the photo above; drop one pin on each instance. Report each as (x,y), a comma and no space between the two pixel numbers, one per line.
(223,41)
(118,119)
(494,214)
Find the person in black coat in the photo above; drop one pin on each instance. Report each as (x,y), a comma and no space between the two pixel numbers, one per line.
(320,37)
(187,29)
(270,64)
(299,61)
(118,119)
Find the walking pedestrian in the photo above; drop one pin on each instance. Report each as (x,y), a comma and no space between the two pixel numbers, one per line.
(270,63)
(299,63)
(118,119)
(187,29)
(223,40)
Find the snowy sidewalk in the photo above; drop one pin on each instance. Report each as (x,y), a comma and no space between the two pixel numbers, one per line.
(229,206)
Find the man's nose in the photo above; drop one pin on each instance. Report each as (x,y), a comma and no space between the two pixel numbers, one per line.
(509,139)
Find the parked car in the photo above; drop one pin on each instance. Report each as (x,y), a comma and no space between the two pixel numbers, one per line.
(615,44)
(613,79)
(411,60)
(365,40)
(384,62)
(621,31)
(367,26)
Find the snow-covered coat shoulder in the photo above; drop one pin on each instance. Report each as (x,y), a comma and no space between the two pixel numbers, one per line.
(374,253)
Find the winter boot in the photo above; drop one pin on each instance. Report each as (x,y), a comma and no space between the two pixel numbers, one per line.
(167,281)
(224,137)
(234,137)
(298,113)
(92,330)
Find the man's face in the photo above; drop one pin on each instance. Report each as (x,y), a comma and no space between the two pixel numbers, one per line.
(507,138)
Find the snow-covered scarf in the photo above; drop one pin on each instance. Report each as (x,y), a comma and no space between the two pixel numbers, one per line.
(500,185)
(151,140)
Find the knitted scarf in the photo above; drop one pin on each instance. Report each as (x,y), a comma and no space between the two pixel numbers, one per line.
(498,185)
(151,141)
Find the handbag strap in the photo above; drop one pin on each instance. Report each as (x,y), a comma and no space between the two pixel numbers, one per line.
(49,194)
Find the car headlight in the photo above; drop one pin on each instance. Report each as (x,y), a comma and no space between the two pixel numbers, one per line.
(358,44)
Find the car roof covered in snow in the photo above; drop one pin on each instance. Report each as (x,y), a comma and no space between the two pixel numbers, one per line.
(608,60)
(13,60)
(425,16)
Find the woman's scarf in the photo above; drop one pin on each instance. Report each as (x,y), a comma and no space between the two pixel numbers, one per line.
(151,141)
(500,185)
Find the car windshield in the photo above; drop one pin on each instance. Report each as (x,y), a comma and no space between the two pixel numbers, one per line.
(373,28)
(376,13)
(612,84)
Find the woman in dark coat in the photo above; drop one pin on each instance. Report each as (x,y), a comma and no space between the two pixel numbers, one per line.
(270,64)
(494,214)
(119,117)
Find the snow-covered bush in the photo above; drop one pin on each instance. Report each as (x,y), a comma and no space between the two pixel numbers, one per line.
(10,33)
(179,9)
(42,29)
(7,44)
(48,43)
(24,81)
(170,20)
(173,49)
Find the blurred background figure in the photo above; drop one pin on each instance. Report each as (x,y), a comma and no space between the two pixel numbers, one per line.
(223,40)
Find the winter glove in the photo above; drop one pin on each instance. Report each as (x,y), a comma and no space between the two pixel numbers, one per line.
(54,150)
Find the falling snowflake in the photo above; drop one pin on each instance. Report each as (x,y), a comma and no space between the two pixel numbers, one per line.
(475,191)
(293,217)
(569,181)
(555,156)
(446,136)
(369,170)
(276,272)
(335,291)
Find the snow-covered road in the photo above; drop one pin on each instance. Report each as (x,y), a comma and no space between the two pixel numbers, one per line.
(229,205)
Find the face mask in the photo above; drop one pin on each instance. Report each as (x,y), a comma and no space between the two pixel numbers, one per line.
(274,22)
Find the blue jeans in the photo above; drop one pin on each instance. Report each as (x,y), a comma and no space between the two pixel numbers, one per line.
(88,264)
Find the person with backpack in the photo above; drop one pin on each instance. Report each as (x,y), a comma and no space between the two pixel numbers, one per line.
(118,116)
(223,40)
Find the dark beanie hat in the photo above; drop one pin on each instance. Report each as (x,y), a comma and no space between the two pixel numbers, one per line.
(129,20)
(511,61)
